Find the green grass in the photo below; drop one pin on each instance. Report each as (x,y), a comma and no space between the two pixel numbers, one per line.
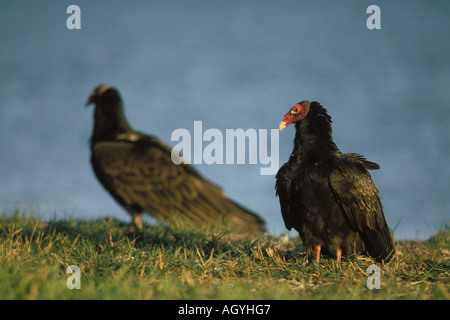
(178,263)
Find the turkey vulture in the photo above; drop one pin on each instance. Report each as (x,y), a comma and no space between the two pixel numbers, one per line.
(329,196)
(138,171)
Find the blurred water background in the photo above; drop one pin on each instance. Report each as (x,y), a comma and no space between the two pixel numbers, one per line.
(232,64)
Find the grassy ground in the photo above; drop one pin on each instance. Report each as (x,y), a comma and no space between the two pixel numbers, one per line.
(175,263)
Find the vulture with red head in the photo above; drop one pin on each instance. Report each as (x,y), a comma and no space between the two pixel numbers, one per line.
(329,196)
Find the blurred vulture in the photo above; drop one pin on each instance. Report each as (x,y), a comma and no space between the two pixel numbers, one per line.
(329,196)
(138,172)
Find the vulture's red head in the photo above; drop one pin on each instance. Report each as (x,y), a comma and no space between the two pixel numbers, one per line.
(296,113)
(96,93)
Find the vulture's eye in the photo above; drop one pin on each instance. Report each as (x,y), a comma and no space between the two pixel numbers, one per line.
(294,111)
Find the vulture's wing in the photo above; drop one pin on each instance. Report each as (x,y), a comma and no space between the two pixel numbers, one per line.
(283,188)
(360,203)
(138,171)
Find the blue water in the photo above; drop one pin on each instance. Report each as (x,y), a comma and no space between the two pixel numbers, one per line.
(230,64)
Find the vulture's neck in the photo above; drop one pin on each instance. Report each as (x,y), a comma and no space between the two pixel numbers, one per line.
(313,142)
(108,126)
